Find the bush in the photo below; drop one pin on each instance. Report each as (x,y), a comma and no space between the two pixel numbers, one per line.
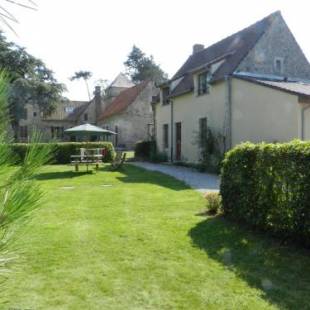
(214,202)
(63,150)
(268,187)
(145,149)
(158,157)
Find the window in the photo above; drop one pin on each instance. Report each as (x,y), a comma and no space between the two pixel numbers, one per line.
(69,109)
(203,83)
(203,131)
(278,65)
(34,114)
(150,131)
(165,136)
(23,132)
(85,117)
(57,132)
(165,93)
(24,113)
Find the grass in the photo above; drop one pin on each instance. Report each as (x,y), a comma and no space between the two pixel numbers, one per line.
(131,240)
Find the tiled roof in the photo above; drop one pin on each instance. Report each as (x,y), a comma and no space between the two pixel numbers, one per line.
(123,100)
(233,48)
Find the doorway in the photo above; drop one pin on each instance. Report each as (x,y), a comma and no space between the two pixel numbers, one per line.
(178,140)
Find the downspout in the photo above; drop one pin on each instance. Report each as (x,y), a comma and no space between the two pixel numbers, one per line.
(171,129)
(303,109)
(228,121)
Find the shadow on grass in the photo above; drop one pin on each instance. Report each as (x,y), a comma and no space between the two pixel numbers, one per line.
(282,273)
(60,175)
(133,174)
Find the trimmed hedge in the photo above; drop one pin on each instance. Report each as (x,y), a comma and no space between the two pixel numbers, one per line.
(145,149)
(268,187)
(63,150)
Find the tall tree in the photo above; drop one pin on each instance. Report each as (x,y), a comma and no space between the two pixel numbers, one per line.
(85,75)
(30,81)
(141,67)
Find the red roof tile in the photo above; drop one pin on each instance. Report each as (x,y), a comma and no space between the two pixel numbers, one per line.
(123,100)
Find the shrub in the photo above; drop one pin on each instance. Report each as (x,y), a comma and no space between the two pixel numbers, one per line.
(145,149)
(63,150)
(268,187)
(214,202)
(158,157)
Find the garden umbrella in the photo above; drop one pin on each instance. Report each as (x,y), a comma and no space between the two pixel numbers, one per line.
(87,130)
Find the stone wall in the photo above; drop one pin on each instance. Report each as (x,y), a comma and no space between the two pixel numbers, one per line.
(133,124)
(277,43)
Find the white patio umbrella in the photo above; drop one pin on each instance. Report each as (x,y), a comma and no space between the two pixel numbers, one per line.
(88,130)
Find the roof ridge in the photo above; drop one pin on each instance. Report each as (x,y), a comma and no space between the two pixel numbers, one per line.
(268,19)
(117,105)
(272,15)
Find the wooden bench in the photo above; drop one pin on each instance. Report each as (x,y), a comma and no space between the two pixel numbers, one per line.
(88,160)
(118,161)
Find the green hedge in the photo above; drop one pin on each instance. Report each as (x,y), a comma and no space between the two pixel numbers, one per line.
(63,150)
(145,149)
(268,187)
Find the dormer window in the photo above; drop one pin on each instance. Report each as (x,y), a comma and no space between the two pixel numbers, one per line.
(165,95)
(203,83)
(278,65)
(69,109)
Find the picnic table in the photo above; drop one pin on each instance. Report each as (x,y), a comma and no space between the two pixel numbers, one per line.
(87,157)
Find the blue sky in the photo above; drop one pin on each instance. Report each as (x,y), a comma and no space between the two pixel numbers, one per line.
(97,35)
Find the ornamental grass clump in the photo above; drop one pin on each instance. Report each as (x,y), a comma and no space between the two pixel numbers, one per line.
(214,202)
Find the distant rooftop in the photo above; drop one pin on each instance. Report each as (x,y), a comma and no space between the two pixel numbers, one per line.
(122,81)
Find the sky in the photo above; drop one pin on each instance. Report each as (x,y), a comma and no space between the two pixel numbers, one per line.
(98,35)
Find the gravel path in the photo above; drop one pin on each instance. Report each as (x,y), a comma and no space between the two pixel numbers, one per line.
(202,182)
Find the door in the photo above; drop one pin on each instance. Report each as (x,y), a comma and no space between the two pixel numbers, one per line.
(178,141)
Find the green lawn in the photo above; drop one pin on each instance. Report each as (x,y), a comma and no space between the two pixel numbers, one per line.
(132,240)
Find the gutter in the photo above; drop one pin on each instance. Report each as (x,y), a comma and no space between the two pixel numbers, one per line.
(303,109)
(171,130)
(228,114)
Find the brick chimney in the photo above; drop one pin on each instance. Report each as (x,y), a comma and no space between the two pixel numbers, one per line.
(197,48)
(98,102)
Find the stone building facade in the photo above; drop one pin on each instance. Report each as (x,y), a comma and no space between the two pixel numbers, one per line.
(277,53)
(129,116)
(124,108)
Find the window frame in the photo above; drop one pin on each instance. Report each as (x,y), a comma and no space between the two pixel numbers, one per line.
(165,136)
(203,131)
(203,83)
(165,95)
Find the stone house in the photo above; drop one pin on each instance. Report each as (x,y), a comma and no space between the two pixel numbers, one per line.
(128,111)
(251,86)
(125,108)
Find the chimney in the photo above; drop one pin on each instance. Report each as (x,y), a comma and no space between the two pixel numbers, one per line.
(197,48)
(98,102)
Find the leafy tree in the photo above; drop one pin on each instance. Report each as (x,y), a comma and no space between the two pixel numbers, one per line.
(19,194)
(85,75)
(30,81)
(141,67)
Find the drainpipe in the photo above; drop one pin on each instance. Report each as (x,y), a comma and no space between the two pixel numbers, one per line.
(228,118)
(303,109)
(171,129)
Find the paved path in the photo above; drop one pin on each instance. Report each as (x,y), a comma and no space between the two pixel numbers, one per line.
(201,182)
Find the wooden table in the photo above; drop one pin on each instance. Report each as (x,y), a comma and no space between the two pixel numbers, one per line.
(88,159)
